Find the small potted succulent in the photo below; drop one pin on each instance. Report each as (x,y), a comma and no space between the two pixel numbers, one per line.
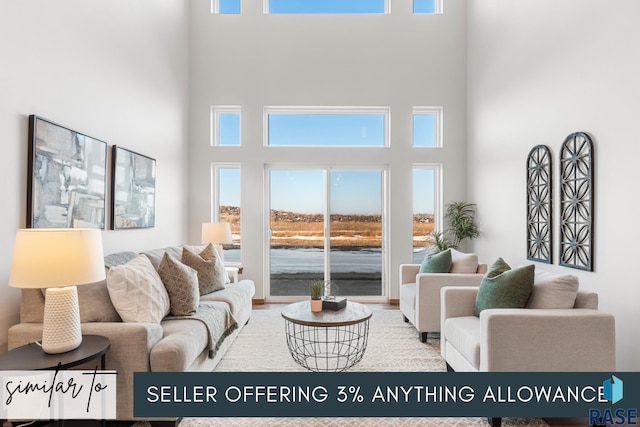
(316,288)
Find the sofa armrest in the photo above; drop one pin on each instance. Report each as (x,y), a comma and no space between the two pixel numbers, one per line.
(547,340)
(455,301)
(408,273)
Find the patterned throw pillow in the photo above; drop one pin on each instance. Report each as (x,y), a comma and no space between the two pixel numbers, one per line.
(210,253)
(181,282)
(503,287)
(137,292)
(210,271)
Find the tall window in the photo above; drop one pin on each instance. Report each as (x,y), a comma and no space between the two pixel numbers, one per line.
(326,6)
(327,127)
(425,208)
(427,126)
(225,125)
(227,205)
(326,224)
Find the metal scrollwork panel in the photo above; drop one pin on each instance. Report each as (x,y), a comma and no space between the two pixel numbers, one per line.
(539,206)
(576,202)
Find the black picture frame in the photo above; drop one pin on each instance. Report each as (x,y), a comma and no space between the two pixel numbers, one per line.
(67,179)
(133,187)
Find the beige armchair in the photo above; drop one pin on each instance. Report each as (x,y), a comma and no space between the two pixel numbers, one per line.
(420,292)
(527,339)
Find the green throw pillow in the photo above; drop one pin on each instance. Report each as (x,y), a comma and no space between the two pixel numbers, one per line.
(437,263)
(503,287)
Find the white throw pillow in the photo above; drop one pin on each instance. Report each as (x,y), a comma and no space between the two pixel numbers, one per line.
(552,290)
(137,292)
(463,263)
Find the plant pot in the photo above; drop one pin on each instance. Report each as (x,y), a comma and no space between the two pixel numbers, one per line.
(316,305)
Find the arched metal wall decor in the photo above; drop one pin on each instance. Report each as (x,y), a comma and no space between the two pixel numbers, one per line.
(539,206)
(576,202)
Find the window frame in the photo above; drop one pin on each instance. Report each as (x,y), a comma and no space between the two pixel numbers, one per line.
(437,168)
(436,111)
(387,10)
(386,111)
(327,169)
(216,110)
(215,192)
(215,8)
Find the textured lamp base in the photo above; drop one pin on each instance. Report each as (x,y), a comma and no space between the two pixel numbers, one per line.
(61,330)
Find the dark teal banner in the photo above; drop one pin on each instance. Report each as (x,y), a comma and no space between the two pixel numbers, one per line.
(387,394)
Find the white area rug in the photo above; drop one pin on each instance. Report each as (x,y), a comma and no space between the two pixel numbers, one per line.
(393,347)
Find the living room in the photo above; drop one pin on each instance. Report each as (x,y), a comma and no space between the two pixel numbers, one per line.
(509,75)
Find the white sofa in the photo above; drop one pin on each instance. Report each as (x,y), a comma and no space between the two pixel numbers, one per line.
(420,292)
(173,345)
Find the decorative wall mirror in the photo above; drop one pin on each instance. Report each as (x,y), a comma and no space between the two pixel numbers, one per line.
(576,202)
(539,204)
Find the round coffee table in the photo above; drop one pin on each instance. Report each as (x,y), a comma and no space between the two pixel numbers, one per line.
(328,341)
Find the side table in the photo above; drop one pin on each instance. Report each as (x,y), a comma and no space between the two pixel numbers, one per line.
(31,357)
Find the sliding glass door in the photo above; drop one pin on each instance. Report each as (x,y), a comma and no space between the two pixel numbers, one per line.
(326,224)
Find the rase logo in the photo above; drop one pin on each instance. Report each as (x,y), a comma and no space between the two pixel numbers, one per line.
(613,391)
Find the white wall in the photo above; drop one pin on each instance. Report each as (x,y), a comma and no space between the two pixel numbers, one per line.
(539,70)
(254,60)
(115,70)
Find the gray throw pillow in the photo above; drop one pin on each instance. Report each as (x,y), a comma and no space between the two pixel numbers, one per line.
(210,271)
(437,263)
(503,287)
(181,282)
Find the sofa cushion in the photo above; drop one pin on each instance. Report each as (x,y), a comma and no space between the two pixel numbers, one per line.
(437,263)
(463,263)
(209,267)
(182,342)
(181,282)
(137,292)
(463,333)
(503,287)
(551,290)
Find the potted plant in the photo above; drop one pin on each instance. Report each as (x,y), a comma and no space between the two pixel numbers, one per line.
(315,288)
(460,219)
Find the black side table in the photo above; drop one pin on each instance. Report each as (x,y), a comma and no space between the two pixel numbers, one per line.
(31,357)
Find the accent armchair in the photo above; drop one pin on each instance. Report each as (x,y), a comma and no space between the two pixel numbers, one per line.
(420,292)
(526,339)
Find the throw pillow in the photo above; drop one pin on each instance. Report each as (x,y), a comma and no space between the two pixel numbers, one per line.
(552,290)
(181,282)
(503,287)
(211,253)
(463,263)
(137,292)
(437,263)
(210,271)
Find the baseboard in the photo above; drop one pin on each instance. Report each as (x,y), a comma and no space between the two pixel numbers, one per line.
(257,301)
(394,301)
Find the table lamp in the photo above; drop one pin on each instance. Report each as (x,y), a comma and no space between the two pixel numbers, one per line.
(218,233)
(58,260)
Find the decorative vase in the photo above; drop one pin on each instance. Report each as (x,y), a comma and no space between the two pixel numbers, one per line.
(316,305)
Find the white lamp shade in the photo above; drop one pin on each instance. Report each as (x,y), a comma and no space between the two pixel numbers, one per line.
(216,232)
(49,258)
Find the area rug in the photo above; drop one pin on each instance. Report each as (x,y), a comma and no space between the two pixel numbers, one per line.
(393,347)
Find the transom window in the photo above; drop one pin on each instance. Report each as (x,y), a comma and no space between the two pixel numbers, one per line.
(327,127)
(225,125)
(427,6)
(225,6)
(325,6)
(427,126)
